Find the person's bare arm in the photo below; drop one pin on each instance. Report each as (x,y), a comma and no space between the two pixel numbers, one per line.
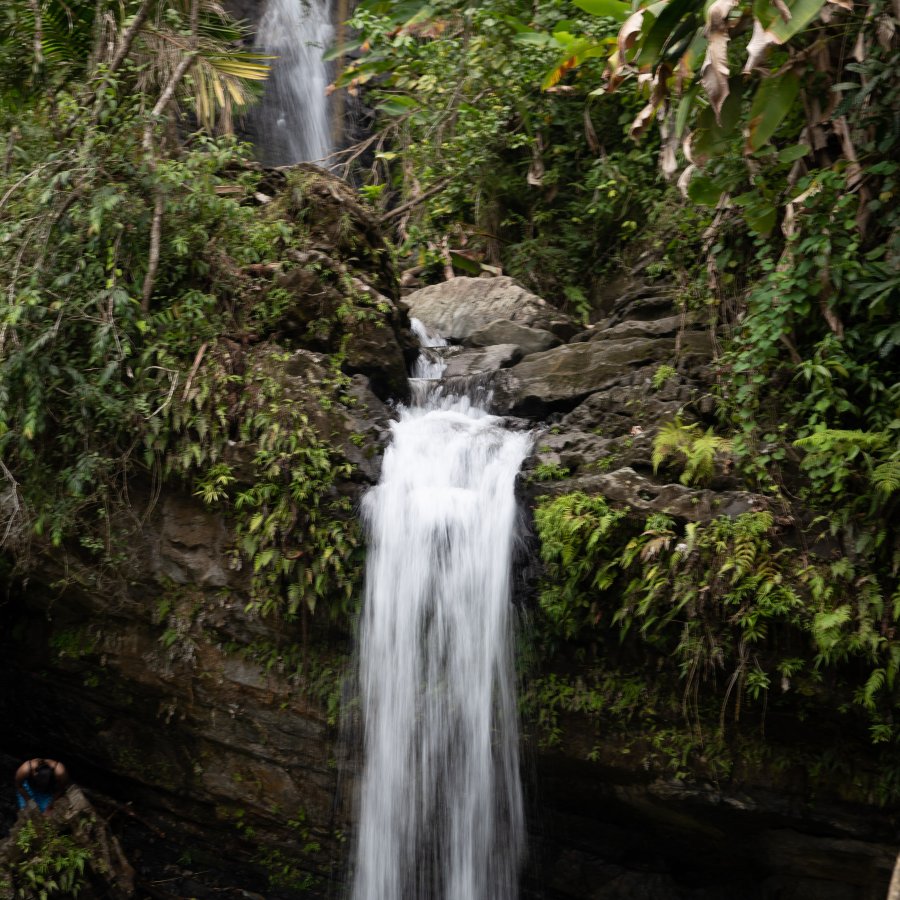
(22,773)
(61,777)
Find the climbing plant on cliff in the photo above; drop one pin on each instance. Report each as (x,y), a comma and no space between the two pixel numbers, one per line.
(752,629)
(781,118)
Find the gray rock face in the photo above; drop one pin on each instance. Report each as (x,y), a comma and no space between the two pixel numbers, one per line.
(505,331)
(190,545)
(626,487)
(617,410)
(479,361)
(561,377)
(462,306)
(638,328)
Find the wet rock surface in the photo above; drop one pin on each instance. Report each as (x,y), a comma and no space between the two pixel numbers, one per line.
(480,361)
(464,306)
(604,837)
(505,331)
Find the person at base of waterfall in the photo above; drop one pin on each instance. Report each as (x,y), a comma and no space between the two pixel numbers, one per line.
(42,782)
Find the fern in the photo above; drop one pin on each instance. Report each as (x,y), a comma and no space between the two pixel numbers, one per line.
(886,476)
(874,684)
(696,449)
(829,439)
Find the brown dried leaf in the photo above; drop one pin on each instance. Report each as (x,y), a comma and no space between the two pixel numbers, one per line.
(758,48)
(642,120)
(629,32)
(714,72)
(885,32)
(685,179)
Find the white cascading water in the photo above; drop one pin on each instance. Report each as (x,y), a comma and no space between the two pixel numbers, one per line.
(292,121)
(441,812)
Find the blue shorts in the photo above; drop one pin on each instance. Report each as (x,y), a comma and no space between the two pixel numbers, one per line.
(42,799)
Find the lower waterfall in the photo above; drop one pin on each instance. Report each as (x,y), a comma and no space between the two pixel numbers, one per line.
(441,814)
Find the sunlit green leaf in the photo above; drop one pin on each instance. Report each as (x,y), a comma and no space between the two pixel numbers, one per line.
(773,100)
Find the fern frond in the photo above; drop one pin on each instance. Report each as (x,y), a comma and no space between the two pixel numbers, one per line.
(697,450)
(886,476)
(829,439)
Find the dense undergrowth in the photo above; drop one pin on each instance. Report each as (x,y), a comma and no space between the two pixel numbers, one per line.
(138,322)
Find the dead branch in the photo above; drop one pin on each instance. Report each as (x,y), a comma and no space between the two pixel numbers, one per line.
(197,360)
(165,98)
(410,204)
(159,203)
(38,33)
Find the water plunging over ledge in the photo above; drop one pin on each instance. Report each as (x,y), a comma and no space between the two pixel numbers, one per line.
(441,813)
(292,121)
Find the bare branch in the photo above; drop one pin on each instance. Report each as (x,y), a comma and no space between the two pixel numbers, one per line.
(399,210)
(159,201)
(128,38)
(197,360)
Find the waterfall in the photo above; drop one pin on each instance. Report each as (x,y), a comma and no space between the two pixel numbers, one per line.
(291,121)
(441,813)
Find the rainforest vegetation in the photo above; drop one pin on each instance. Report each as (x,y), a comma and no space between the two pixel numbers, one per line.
(747,150)
(744,152)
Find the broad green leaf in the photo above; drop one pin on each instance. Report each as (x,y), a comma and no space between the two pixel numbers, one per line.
(684,109)
(802,13)
(792,154)
(568,25)
(772,102)
(662,29)
(340,50)
(574,53)
(397,106)
(613,8)
(705,190)
(713,138)
(760,217)
(464,264)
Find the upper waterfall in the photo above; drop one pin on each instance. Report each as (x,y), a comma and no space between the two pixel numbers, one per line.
(292,121)
(441,805)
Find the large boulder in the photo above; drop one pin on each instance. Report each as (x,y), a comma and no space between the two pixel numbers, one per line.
(505,331)
(334,291)
(560,378)
(481,360)
(463,306)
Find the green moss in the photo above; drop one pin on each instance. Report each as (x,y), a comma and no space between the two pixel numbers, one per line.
(74,643)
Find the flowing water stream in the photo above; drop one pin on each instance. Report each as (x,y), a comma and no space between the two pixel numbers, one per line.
(292,122)
(441,813)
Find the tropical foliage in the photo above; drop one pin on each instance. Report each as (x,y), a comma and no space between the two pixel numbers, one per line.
(131,240)
(773,130)
(488,169)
